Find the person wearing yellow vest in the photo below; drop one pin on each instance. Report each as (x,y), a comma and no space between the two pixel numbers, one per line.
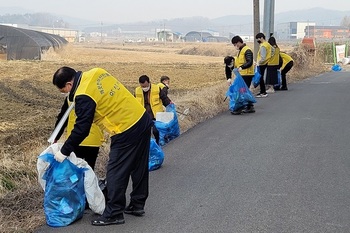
(153,98)
(244,65)
(287,63)
(164,83)
(272,66)
(101,99)
(263,57)
(89,147)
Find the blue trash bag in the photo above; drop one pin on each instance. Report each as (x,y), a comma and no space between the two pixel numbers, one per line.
(156,156)
(170,130)
(239,93)
(64,197)
(279,79)
(257,76)
(336,67)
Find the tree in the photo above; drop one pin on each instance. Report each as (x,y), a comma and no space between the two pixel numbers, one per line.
(345,22)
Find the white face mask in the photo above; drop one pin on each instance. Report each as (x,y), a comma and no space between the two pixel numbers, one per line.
(65,94)
(145,89)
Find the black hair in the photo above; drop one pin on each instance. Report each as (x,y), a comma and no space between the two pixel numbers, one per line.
(228,60)
(272,42)
(62,76)
(143,79)
(164,78)
(236,39)
(259,35)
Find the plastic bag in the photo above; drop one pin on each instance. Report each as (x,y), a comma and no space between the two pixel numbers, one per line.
(170,130)
(279,80)
(336,67)
(156,156)
(93,193)
(239,93)
(257,76)
(64,198)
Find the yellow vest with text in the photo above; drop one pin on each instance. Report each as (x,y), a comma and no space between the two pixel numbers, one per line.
(155,101)
(268,52)
(275,58)
(117,110)
(240,60)
(286,59)
(95,137)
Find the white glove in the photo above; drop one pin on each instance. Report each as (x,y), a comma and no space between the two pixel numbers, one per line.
(229,81)
(59,157)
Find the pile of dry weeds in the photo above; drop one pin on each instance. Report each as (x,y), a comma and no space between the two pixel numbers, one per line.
(21,196)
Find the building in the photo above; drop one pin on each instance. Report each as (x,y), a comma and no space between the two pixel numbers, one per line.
(292,30)
(327,32)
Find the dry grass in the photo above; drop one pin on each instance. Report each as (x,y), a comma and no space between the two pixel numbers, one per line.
(29,104)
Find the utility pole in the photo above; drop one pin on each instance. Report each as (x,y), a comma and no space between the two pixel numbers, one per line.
(268,23)
(256,17)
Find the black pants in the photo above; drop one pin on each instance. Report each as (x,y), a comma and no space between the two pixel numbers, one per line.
(155,134)
(262,83)
(129,158)
(284,73)
(88,153)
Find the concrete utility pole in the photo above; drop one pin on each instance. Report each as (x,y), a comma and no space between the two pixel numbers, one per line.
(256,17)
(269,19)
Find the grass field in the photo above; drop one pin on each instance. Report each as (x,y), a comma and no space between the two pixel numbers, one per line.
(29,104)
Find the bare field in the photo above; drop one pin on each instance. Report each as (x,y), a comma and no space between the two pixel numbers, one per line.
(29,104)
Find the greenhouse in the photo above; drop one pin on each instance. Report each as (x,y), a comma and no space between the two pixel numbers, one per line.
(24,44)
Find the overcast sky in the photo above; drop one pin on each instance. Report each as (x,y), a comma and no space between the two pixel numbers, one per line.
(121,11)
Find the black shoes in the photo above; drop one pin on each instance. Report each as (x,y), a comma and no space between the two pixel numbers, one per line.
(284,89)
(103,221)
(130,209)
(249,109)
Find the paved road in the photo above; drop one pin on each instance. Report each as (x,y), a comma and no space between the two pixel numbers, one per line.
(285,168)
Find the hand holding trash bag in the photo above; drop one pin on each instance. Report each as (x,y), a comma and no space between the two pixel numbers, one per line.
(59,157)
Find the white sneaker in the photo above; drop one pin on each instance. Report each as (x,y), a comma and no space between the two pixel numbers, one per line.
(270,90)
(261,95)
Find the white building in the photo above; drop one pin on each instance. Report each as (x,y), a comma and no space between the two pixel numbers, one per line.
(292,30)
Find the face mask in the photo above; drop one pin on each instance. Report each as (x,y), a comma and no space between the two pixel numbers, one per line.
(65,94)
(145,89)
(259,41)
(237,47)
(230,65)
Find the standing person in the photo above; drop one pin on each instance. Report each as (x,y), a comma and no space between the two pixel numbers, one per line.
(273,66)
(101,99)
(229,65)
(89,147)
(153,98)
(287,64)
(164,83)
(244,65)
(263,57)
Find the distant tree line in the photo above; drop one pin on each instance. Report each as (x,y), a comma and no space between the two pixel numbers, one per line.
(37,19)
(346,22)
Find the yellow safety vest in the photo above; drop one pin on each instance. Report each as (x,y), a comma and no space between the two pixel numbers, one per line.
(95,137)
(161,85)
(268,52)
(275,59)
(286,59)
(117,110)
(240,60)
(155,101)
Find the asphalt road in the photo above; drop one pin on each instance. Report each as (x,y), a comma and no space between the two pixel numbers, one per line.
(285,168)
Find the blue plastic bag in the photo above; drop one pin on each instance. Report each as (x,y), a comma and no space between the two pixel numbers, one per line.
(257,76)
(64,197)
(239,93)
(170,130)
(336,67)
(279,79)
(156,156)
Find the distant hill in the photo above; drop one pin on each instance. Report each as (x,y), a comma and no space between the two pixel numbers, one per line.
(237,24)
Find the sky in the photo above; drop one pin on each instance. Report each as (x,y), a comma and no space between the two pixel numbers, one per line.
(118,11)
